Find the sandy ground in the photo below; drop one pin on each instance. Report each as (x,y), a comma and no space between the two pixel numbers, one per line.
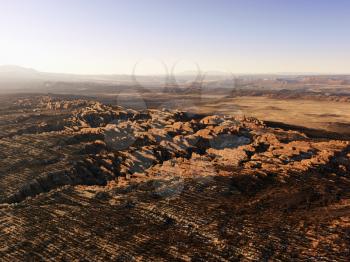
(332,116)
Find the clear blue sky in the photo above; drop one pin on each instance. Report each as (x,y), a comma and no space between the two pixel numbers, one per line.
(241,36)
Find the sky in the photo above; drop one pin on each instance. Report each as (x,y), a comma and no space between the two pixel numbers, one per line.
(159,36)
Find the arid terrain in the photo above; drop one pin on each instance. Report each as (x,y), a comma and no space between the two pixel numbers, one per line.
(104,178)
(195,131)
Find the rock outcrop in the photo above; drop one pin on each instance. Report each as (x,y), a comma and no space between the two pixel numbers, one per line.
(84,180)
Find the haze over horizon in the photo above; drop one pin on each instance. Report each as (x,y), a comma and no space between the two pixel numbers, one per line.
(155,37)
(27,70)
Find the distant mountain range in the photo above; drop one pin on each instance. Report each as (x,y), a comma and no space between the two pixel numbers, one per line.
(14,73)
(18,73)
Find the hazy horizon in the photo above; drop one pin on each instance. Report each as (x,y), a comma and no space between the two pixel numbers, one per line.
(20,68)
(155,37)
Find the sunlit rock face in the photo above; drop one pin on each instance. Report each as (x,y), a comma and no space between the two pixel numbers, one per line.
(83,180)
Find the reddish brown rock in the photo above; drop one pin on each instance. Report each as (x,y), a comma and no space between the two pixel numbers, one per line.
(84,180)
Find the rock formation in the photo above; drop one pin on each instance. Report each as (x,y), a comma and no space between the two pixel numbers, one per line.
(84,180)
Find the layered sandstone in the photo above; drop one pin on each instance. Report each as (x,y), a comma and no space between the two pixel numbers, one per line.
(83,180)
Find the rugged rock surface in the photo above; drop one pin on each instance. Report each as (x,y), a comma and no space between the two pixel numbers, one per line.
(84,180)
